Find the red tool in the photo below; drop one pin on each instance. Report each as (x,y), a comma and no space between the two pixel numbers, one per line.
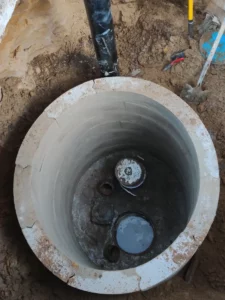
(172,63)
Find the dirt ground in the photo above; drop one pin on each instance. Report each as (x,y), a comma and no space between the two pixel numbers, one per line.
(47,50)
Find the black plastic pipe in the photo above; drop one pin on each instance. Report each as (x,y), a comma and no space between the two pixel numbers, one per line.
(101,24)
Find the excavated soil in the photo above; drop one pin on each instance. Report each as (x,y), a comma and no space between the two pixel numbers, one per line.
(47,49)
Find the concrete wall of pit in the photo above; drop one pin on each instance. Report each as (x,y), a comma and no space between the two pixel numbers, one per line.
(78,128)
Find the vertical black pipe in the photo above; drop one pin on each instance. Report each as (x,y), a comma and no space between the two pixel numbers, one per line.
(101,24)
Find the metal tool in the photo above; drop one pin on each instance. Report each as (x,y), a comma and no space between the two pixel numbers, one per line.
(196,94)
(191,18)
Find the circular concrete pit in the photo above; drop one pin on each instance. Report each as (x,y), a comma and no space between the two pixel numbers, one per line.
(86,227)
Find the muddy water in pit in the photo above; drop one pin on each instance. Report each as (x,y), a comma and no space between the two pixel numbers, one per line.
(160,200)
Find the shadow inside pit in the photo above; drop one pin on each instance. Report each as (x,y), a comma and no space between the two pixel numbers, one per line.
(63,73)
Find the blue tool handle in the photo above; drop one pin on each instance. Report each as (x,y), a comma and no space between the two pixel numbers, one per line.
(211,54)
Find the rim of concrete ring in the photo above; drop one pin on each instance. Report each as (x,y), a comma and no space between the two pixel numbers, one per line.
(6,12)
(169,262)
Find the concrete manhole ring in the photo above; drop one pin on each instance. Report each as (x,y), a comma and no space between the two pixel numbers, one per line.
(65,134)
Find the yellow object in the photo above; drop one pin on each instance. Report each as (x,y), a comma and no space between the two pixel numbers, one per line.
(190,18)
(190,10)
(165,50)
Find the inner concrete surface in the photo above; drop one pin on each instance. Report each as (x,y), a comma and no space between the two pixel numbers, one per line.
(35,70)
(121,122)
